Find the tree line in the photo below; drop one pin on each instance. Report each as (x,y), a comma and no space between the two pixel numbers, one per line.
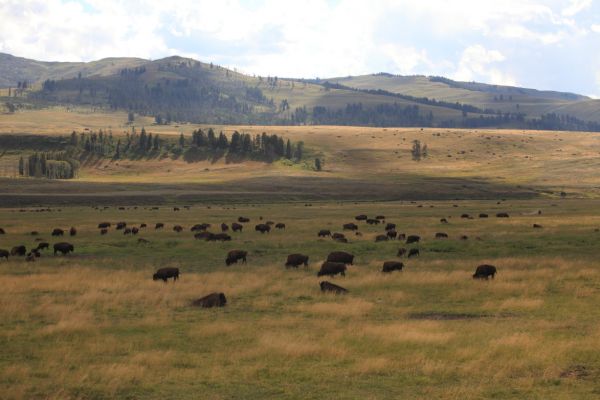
(52,165)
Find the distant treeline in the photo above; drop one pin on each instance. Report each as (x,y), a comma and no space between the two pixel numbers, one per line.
(52,165)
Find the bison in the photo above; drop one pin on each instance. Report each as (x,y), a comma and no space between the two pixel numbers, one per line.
(223,237)
(341,240)
(234,256)
(381,238)
(337,236)
(43,245)
(211,300)
(121,225)
(537,226)
(262,228)
(224,227)
(484,272)
(464,237)
(103,225)
(401,252)
(330,287)
(372,221)
(4,254)
(361,217)
(34,233)
(18,251)
(441,235)
(392,234)
(350,227)
(502,215)
(63,247)
(443,220)
(159,225)
(483,215)
(178,228)
(390,227)
(295,260)
(243,220)
(2,231)
(135,230)
(57,232)
(143,226)
(237,227)
(280,225)
(391,266)
(380,217)
(103,231)
(165,273)
(204,236)
(332,268)
(72,231)
(413,253)
(340,257)
(413,239)
(324,232)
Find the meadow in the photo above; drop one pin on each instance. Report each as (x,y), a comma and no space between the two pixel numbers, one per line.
(94,325)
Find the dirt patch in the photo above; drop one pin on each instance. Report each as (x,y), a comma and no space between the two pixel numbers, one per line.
(442,316)
(576,372)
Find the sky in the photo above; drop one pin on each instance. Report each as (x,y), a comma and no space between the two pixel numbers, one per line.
(543,44)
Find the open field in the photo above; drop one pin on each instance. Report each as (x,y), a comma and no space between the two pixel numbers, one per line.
(94,325)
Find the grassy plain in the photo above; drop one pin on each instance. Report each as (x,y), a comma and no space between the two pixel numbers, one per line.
(93,325)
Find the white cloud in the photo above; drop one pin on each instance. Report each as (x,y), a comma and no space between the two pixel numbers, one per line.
(478,63)
(575,7)
(595,28)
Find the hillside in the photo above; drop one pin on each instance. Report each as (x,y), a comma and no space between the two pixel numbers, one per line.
(185,90)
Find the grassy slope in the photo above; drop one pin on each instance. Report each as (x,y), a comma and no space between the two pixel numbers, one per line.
(94,325)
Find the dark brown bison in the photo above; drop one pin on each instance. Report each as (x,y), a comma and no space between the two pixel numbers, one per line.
(43,246)
(361,217)
(280,226)
(34,233)
(211,300)
(103,231)
(127,231)
(2,231)
(390,227)
(441,235)
(243,220)
(103,225)
(332,268)
(135,231)
(4,254)
(413,253)
(381,238)
(63,247)
(30,257)
(484,272)
(234,256)
(220,237)
(262,228)
(270,223)
(204,236)
(350,227)
(143,226)
(537,226)
(165,273)
(18,251)
(392,234)
(121,225)
(391,266)
(224,227)
(341,240)
(324,232)
(199,227)
(159,225)
(178,228)
(380,217)
(331,287)
(340,257)
(401,236)
(372,221)
(413,239)
(72,231)
(237,227)
(465,216)
(175,208)
(57,232)
(443,220)
(483,215)
(464,237)
(401,252)
(295,260)
(502,215)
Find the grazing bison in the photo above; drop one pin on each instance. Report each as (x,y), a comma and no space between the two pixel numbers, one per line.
(223,237)
(262,228)
(103,231)
(331,287)
(401,252)
(502,215)
(350,227)
(324,232)
(441,235)
(57,232)
(337,236)
(380,217)
(237,227)
(483,215)
(4,254)
(537,226)
(340,257)
(143,226)
(127,231)
(372,221)
(280,226)
(390,227)
(135,231)
(465,216)
(103,225)
(30,257)
(381,238)
(413,253)
(63,247)
(175,208)
(166,273)
(43,245)
(159,225)
(2,231)
(18,251)
(392,234)
(211,300)
(72,231)
(224,227)
(401,236)
(413,239)
(484,272)
(361,217)
(121,225)
(341,240)
(243,220)
(204,236)
(391,266)
(270,223)
(234,256)
(34,233)
(178,228)
(295,260)
(443,221)
(332,268)
(464,237)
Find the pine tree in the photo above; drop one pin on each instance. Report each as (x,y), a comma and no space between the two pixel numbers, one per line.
(416,150)
(156,143)
(299,151)
(21,166)
(318,164)
(181,140)
(288,150)
(118,150)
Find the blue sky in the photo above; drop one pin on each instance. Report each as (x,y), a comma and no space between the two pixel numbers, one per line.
(552,44)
